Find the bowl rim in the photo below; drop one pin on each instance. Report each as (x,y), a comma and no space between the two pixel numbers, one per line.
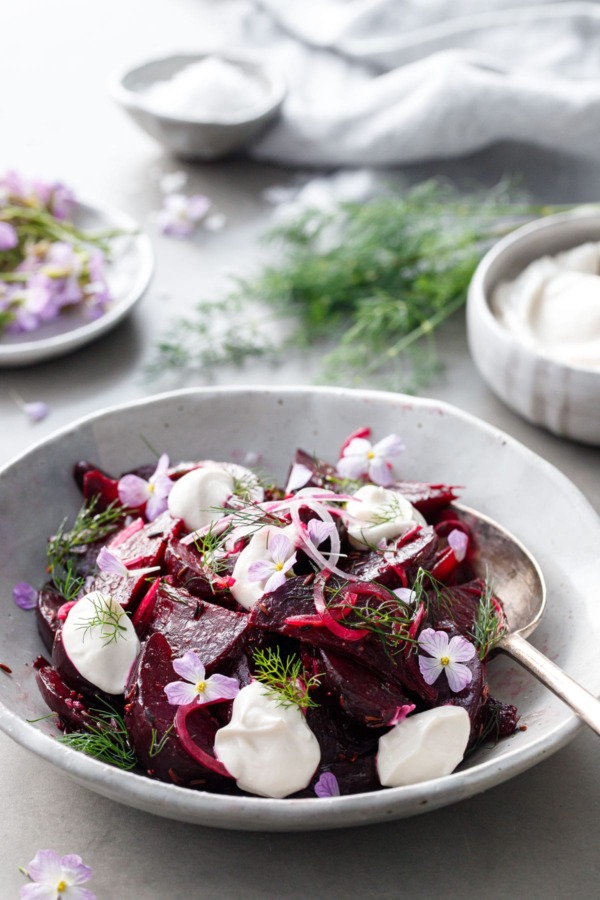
(133,100)
(258,813)
(478,300)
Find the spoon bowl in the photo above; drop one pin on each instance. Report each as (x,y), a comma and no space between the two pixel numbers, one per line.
(518,581)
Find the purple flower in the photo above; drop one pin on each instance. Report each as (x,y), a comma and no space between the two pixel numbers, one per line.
(361,457)
(8,236)
(327,786)
(445,656)
(458,543)
(406,595)
(62,201)
(109,562)
(25,596)
(272,570)
(319,531)
(196,688)
(135,491)
(55,878)
(36,411)
(179,214)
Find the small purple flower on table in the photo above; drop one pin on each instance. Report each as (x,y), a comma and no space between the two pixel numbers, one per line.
(360,457)
(327,786)
(54,878)
(180,214)
(25,596)
(196,687)
(274,569)
(135,491)
(445,655)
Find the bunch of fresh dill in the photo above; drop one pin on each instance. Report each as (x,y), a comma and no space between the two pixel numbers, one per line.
(372,281)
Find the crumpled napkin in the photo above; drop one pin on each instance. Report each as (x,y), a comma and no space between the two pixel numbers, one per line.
(384,82)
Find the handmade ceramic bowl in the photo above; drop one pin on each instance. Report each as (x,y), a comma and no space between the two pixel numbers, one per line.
(559,397)
(197,138)
(502,479)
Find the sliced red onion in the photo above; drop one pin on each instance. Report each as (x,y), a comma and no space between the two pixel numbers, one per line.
(346,634)
(201,756)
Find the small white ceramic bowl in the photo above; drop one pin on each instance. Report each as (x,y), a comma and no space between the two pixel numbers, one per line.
(559,397)
(203,139)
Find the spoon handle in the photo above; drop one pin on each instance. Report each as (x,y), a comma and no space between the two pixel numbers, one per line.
(581,701)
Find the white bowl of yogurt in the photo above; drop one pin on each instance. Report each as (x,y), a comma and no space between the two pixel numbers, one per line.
(533,322)
(201,105)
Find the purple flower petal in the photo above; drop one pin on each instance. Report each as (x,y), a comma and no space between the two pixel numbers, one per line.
(380,472)
(156,505)
(280,548)
(406,595)
(108,562)
(8,236)
(220,687)
(458,541)
(389,447)
(38,892)
(327,786)
(181,693)
(352,466)
(274,582)
(74,869)
(190,667)
(319,531)
(430,669)
(133,490)
(45,866)
(25,596)
(260,570)
(36,411)
(434,642)
(460,649)
(458,676)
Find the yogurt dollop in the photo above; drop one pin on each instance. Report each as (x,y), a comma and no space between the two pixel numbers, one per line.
(197,497)
(423,746)
(268,748)
(100,641)
(553,306)
(377,513)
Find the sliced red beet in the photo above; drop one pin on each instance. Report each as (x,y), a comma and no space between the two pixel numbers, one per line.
(146,546)
(278,611)
(323,474)
(96,484)
(190,623)
(150,721)
(72,676)
(339,738)
(418,552)
(49,603)
(71,706)
(360,693)
(185,565)
(427,498)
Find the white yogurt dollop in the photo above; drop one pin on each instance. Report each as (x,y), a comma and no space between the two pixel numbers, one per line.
(268,748)
(245,591)
(197,497)
(377,513)
(423,746)
(100,641)
(553,306)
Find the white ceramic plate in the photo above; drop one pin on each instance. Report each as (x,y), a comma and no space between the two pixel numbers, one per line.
(501,477)
(128,275)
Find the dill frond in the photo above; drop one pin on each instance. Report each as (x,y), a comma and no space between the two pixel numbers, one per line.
(284,678)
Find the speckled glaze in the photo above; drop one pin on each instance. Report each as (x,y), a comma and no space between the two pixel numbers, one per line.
(193,139)
(563,399)
(502,479)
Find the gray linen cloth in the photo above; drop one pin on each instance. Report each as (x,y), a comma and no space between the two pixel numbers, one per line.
(383,82)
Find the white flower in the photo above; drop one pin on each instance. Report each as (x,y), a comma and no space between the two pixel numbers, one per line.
(445,656)
(361,457)
(273,570)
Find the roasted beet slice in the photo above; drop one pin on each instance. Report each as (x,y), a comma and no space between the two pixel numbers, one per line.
(339,738)
(49,603)
(71,706)
(282,611)
(96,484)
(357,691)
(71,676)
(416,553)
(150,718)
(145,546)
(496,720)
(185,565)
(323,474)
(427,498)
(190,623)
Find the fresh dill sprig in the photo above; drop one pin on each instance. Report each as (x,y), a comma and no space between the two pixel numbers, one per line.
(489,626)
(90,525)
(157,747)
(378,279)
(389,619)
(107,618)
(284,678)
(209,545)
(105,738)
(388,512)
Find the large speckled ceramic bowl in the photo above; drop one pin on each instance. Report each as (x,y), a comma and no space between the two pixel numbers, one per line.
(501,478)
(564,399)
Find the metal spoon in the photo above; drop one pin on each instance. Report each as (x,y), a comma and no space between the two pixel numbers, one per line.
(518,581)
